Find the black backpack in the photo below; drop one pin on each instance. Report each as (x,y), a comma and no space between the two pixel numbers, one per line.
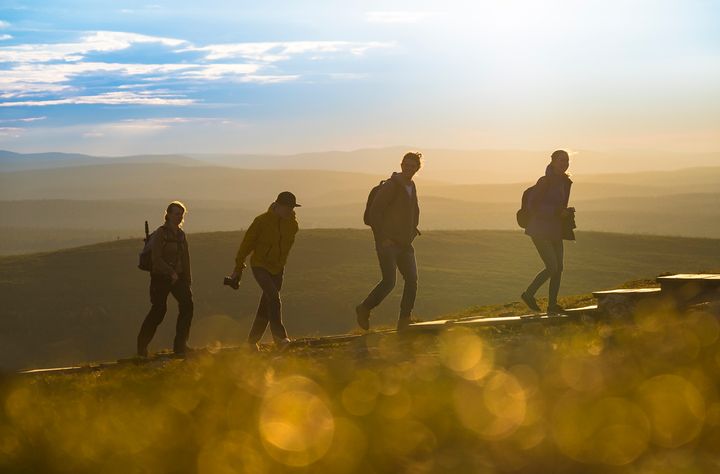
(523,214)
(370,199)
(145,257)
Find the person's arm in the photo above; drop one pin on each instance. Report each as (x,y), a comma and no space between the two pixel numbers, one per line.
(417,211)
(247,246)
(378,207)
(159,265)
(291,239)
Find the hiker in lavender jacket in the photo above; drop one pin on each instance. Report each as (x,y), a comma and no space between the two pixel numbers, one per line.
(550,223)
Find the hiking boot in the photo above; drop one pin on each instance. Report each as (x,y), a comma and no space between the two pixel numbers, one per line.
(181,351)
(363,316)
(555,309)
(283,344)
(530,302)
(142,352)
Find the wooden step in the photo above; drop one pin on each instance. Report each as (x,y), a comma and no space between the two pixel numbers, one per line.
(623,301)
(691,288)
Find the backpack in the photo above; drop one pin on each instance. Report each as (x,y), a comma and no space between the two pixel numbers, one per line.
(145,257)
(524,214)
(370,199)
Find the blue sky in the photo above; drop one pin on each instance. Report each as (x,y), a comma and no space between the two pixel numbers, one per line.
(280,76)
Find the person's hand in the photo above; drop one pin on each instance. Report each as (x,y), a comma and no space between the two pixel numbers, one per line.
(174,278)
(387,243)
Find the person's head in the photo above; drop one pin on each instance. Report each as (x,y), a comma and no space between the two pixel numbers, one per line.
(411,163)
(175,213)
(285,204)
(560,161)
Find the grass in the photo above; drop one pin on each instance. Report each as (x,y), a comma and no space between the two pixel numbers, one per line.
(633,396)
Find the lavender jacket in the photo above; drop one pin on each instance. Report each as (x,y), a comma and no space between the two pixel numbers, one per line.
(550,197)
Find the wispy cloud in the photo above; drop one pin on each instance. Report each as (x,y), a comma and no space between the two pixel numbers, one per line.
(24,120)
(5,37)
(97,42)
(47,73)
(4,24)
(12,132)
(108,98)
(150,126)
(397,16)
(270,52)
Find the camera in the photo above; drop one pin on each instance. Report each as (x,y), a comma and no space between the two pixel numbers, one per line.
(233,283)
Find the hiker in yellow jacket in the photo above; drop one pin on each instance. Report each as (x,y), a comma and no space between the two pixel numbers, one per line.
(269,239)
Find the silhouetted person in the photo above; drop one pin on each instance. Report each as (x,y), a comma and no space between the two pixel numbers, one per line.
(393,215)
(550,222)
(269,238)
(170,274)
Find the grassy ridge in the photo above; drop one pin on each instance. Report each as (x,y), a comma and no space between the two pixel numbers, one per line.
(87,303)
(639,396)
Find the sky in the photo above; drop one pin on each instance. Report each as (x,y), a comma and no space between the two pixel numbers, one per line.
(112,78)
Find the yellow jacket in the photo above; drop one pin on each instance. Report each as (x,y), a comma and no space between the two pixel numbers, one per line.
(269,239)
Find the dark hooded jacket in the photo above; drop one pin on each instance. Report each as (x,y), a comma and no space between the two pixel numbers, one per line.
(394,212)
(550,196)
(170,253)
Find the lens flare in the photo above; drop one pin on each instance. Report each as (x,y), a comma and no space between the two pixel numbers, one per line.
(295,423)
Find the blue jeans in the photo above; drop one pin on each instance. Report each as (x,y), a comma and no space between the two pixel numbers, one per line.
(551,253)
(401,257)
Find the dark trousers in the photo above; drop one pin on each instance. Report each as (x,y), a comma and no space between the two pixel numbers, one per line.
(551,253)
(402,258)
(160,287)
(270,308)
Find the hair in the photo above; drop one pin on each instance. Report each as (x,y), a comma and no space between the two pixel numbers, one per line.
(178,205)
(559,154)
(416,156)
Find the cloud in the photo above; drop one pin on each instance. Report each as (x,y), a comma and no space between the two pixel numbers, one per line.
(270,52)
(5,37)
(149,126)
(12,132)
(25,120)
(33,79)
(4,24)
(97,42)
(47,73)
(108,98)
(397,16)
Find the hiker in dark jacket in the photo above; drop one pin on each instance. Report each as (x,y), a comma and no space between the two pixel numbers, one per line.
(170,274)
(269,238)
(394,215)
(551,221)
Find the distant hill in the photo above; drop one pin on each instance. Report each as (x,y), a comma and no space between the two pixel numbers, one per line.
(153,181)
(87,303)
(470,166)
(455,166)
(58,208)
(10,161)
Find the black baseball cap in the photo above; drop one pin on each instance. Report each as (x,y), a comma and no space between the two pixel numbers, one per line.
(286,198)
